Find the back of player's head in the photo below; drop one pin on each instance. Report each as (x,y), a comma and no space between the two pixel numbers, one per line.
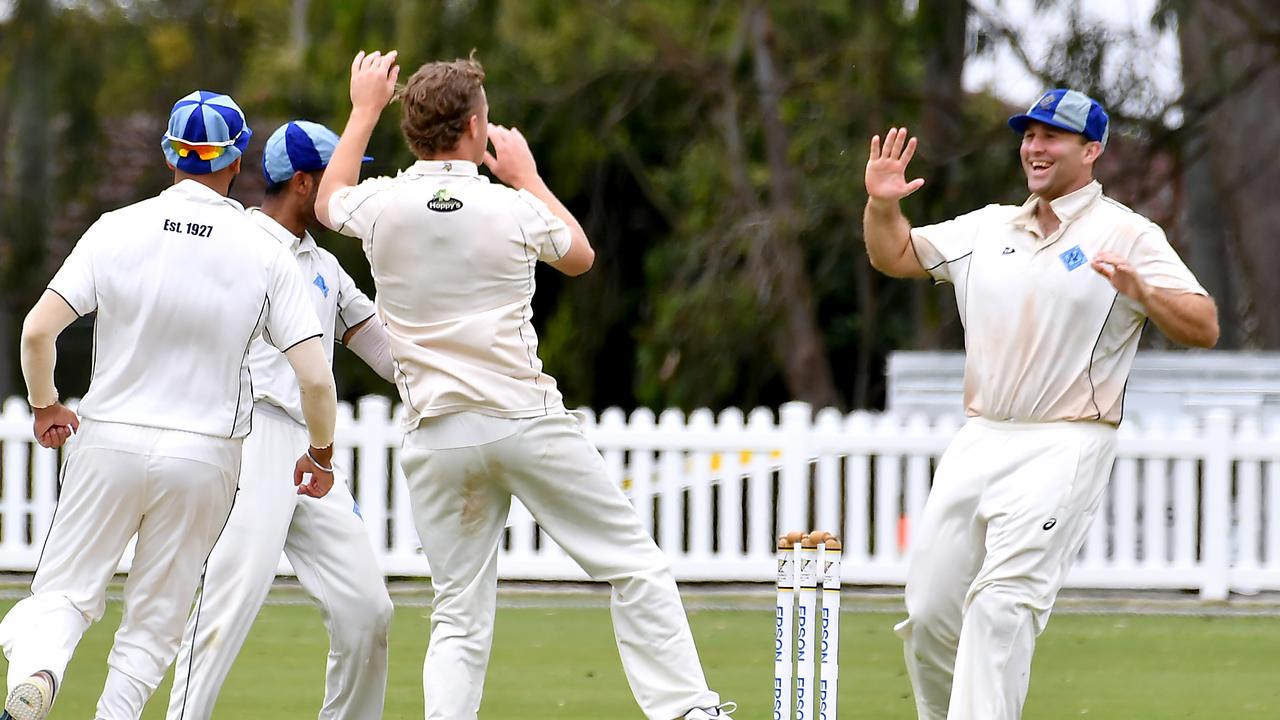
(207,132)
(439,101)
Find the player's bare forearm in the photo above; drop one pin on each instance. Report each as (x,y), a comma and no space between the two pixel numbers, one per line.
(316,387)
(1185,318)
(887,234)
(343,170)
(581,256)
(38,349)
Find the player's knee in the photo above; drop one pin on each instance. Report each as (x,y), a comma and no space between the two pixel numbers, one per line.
(934,616)
(1011,607)
(368,622)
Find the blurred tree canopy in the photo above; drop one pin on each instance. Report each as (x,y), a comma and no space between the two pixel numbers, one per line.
(712,149)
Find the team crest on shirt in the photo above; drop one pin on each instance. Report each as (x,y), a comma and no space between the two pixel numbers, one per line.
(1073,258)
(320,283)
(442,201)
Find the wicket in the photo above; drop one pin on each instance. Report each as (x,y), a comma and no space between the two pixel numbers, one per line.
(804,561)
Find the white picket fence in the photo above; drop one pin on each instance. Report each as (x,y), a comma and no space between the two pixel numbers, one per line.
(1193,504)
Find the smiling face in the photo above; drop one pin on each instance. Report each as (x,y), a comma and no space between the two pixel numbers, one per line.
(1057,162)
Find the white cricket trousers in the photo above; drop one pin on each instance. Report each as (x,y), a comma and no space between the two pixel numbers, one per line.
(329,549)
(1009,510)
(460,498)
(171,489)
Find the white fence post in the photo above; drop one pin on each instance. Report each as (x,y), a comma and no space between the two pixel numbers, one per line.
(1216,541)
(716,490)
(793,495)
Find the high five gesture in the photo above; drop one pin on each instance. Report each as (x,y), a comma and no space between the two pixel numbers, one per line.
(885,229)
(887,166)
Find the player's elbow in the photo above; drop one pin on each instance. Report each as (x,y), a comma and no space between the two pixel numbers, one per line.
(1208,335)
(317,384)
(580,258)
(36,330)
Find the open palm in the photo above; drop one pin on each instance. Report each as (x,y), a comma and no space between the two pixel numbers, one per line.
(887,166)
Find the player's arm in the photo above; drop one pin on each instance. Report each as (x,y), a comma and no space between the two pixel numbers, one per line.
(885,229)
(373,83)
(368,340)
(54,423)
(512,162)
(1185,318)
(320,410)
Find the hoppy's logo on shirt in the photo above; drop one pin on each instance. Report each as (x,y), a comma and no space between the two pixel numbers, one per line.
(320,283)
(442,201)
(1073,258)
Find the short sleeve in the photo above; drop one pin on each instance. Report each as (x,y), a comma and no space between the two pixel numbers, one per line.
(291,318)
(75,282)
(1159,265)
(938,246)
(354,307)
(353,210)
(547,232)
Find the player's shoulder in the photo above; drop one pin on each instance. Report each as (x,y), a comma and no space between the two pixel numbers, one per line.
(993,213)
(1124,219)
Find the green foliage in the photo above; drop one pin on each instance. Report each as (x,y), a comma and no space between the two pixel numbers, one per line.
(646,119)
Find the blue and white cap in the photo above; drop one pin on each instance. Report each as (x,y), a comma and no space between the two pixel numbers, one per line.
(207,132)
(1069,110)
(298,146)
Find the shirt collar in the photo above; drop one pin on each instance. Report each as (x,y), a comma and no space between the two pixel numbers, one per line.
(191,190)
(443,167)
(1067,208)
(296,245)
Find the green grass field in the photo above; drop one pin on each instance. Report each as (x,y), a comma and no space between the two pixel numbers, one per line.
(562,664)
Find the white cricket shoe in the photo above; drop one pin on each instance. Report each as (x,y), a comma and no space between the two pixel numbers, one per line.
(30,699)
(711,713)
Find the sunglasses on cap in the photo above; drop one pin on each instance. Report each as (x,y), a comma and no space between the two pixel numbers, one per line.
(205,150)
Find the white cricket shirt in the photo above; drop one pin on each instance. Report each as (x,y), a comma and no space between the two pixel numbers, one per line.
(1046,337)
(453,260)
(339,305)
(182,284)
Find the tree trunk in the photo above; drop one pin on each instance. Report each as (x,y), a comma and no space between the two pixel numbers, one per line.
(1234,64)
(798,343)
(942,25)
(26,209)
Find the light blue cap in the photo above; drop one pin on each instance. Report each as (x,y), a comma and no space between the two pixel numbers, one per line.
(1069,110)
(298,146)
(207,132)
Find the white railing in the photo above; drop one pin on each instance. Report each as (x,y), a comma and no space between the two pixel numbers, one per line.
(1193,504)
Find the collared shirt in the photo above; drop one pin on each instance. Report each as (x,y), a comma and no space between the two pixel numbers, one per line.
(453,260)
(338,304)
(1046,337)
(182,284)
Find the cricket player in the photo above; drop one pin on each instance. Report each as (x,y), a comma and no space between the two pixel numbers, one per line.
(453,259)
(1053,295)
(182,285)
(324,538)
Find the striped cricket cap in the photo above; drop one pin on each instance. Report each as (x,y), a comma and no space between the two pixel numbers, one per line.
(1069,110)
(207,132)
(298,146)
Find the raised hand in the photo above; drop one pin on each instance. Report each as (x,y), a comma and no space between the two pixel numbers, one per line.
(887,166)
(1123,277)
(373,80)
(511,160)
